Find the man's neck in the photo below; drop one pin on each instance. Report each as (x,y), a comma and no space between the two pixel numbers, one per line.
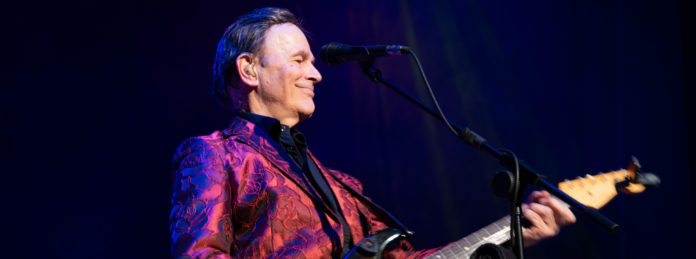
(257,106)
(290,121)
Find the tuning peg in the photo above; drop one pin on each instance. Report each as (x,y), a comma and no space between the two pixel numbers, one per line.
(634,166)
(648,179)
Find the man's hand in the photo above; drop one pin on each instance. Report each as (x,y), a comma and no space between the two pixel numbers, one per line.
(546,215)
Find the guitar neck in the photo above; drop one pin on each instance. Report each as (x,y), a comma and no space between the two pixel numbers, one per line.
(496,233)
(592,191)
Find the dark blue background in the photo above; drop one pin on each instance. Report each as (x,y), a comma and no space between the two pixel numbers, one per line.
(97,95)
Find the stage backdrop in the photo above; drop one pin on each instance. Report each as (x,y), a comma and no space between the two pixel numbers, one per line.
(98,95)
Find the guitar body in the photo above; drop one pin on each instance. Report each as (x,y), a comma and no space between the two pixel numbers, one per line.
(374,245)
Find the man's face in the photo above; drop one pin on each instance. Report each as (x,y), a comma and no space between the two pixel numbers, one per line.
(287,75)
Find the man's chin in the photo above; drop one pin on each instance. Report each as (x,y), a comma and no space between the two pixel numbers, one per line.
(304,115)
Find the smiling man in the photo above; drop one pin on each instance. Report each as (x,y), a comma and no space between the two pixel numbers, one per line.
(281,76)
(254,189)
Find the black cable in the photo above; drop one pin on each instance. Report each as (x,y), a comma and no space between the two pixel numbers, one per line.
(432,95)
(514,233)
(516,185)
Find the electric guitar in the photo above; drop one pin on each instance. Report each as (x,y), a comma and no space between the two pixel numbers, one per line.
(593,191)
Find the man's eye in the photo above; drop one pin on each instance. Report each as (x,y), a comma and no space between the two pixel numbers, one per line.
(298,60)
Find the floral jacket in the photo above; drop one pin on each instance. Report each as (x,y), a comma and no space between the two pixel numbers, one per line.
(236,195)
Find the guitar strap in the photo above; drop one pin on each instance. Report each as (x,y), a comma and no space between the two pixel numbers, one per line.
(375,208)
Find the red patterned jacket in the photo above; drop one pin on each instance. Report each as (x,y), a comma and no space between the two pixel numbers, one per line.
(234,195)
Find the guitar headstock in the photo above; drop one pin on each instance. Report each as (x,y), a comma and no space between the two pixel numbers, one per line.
(597,190)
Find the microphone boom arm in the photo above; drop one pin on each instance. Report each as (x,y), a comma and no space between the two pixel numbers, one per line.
(527,174)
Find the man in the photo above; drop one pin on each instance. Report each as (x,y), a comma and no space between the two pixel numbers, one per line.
(253,189)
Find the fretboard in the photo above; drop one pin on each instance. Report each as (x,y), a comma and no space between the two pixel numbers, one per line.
(496,233)
(592,191)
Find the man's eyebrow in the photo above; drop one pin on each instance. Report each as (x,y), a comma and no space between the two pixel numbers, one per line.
(304,54)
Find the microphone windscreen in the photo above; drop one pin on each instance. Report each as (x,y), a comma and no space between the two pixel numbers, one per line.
(328,54)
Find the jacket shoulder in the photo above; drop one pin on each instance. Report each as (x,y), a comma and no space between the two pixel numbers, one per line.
(205,147)
(195,150)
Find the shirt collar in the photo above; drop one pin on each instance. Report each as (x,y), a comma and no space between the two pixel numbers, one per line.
(291,140)
(273,128)
(270,125)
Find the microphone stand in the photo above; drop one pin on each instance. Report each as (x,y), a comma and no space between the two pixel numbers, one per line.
(527,174)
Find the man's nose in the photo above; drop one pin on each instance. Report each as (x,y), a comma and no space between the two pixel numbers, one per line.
(313,74)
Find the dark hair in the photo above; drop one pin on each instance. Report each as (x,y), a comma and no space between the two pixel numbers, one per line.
(244,35)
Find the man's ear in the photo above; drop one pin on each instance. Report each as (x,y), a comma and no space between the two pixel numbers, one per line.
(246,67)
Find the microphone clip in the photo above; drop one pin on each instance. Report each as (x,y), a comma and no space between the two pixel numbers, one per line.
(369,70)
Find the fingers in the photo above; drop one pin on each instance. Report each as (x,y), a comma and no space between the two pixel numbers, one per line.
(563,215)
(546,214)
(542,218)
(542,223)
(536,195)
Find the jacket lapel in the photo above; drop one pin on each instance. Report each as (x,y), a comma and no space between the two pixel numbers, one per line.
(259,140)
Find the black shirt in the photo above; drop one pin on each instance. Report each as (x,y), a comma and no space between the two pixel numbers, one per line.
(293,142)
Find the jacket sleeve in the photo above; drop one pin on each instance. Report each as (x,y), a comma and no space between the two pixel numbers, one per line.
(200,218)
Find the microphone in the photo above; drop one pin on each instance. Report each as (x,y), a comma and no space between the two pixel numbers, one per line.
(336,53)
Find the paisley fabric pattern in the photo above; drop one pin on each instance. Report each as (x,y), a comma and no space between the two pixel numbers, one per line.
(235,196)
